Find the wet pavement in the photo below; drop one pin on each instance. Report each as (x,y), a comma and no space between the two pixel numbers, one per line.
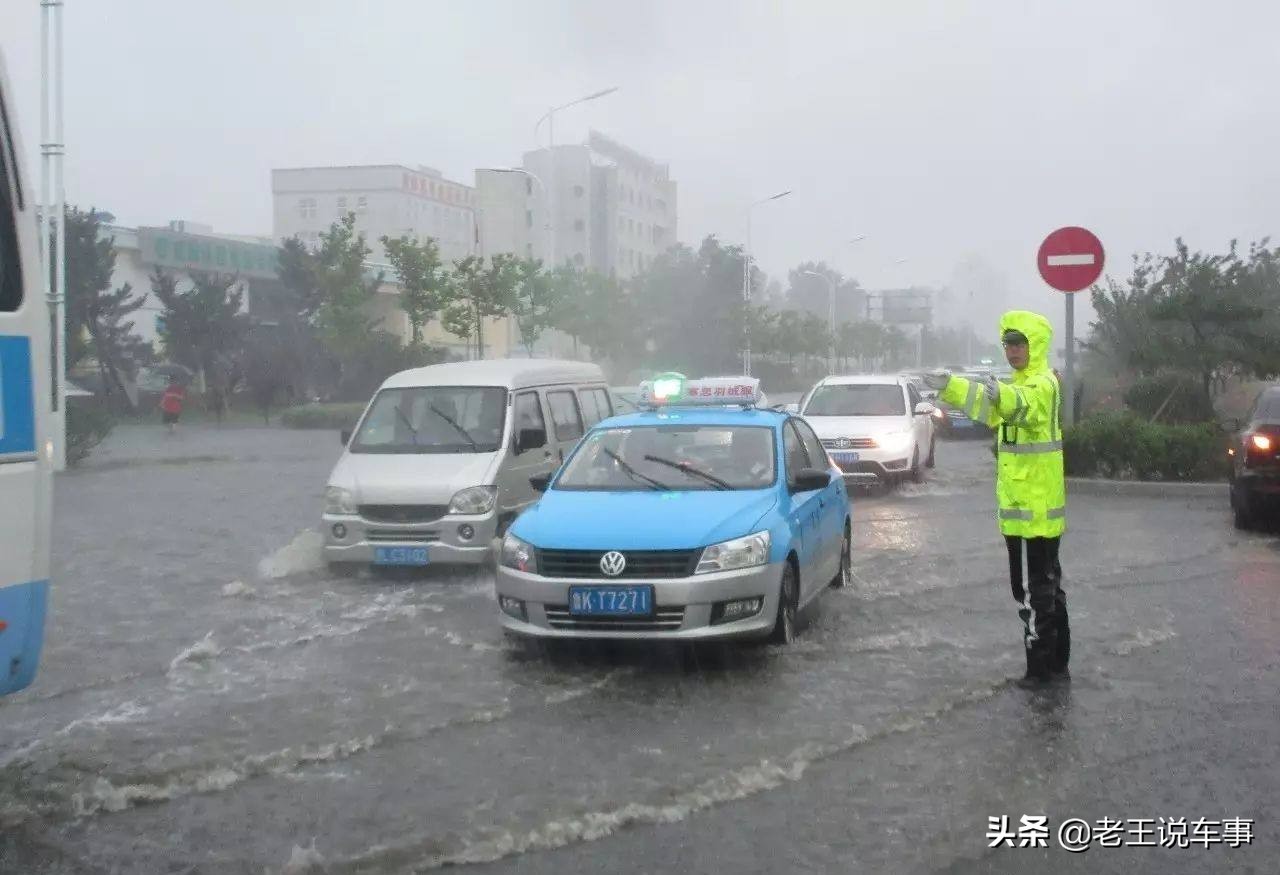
(212,701)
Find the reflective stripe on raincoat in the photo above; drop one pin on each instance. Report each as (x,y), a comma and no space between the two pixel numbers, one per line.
(1030,486)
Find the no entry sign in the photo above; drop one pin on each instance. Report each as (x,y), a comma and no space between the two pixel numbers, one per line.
(1070,259)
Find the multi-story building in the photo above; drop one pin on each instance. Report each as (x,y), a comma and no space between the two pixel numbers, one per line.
(599,205)
(388,200)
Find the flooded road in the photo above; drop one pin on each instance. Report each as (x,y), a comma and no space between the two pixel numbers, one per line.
(213,701)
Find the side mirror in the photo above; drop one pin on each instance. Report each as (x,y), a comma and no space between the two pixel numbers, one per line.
(792,408)
(924,408)
(345,434)
(540,482)
(530,439)
(809,479)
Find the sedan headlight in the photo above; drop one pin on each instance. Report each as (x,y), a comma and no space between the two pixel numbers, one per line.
(474,499)
(739,553)
(518,554)
(895,442)
(339,500)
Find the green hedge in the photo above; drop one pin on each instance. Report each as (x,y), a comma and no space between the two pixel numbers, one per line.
(89,421)
(322,416)
(1122,446)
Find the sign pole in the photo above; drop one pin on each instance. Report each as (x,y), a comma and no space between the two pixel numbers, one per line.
(1069,390)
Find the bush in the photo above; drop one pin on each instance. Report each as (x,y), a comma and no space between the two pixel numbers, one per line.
(323,416)
(1122,446)
(1181,397)
(88,423)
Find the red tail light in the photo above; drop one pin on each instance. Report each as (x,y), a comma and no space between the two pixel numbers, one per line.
(1261,442)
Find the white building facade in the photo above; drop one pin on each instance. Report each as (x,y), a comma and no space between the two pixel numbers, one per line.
(389,200)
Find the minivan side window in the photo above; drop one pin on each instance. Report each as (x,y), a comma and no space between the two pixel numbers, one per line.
(595,406)
(564,414)
(528,414)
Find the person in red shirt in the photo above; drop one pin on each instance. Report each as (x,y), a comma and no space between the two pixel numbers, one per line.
(171,404)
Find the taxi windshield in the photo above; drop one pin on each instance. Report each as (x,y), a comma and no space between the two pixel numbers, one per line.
(859,399)
(434,419)
(672,457)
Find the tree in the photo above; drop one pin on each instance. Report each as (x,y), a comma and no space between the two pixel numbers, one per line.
(812,294)
(203,328)
(1210,317)
(535,300)
(423,283)
(479,292)
(97,322)
(266,370)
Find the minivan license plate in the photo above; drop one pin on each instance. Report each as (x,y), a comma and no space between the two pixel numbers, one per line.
(611,601)
(399,555)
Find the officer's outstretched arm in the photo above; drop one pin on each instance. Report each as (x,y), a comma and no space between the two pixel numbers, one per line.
(971,396)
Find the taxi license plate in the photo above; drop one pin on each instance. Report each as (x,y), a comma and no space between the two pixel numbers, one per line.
(399,555)
(844,456)
(611,601)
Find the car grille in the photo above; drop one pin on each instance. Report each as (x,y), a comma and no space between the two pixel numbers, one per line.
(664,619)
(402,536)
(403,513)
(858,443)
(647,564)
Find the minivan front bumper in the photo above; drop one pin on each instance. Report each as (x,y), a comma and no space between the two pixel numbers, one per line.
(352,538)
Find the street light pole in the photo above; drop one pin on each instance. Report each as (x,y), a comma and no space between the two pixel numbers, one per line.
(550,118)
(831,318)
(746,285)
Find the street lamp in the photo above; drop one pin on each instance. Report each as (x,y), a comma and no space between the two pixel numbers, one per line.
(746,284)
(550,118)
(831,318)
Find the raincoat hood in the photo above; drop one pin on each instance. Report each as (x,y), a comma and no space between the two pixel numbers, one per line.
(1039,334)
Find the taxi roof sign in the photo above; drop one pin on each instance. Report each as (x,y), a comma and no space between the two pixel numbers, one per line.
(673,390)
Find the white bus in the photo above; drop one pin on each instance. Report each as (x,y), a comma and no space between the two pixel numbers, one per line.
(26,450)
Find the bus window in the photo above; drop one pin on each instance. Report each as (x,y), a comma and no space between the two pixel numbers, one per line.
(10,267)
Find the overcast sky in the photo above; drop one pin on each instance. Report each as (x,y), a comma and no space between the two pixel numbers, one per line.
(942,131)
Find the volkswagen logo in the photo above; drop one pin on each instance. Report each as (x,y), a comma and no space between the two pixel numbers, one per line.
(613,563)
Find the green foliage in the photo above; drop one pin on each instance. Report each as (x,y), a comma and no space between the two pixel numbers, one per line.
(1125,447)
(322,416)
(479,292)
(97,323)
(204,329)
(537,298)
(424,284)
(1210,318)
(89,422)
(1169,397)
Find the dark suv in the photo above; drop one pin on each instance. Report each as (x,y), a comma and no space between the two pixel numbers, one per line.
(1255,463)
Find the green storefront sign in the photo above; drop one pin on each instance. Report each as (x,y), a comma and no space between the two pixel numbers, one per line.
(165,248)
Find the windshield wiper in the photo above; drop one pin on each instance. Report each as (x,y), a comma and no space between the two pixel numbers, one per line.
(459,429)
(689,469)
(413,432)
(633,473)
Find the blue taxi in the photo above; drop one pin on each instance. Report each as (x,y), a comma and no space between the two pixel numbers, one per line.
(697,517)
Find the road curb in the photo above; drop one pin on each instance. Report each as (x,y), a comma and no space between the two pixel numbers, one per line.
(1145,489)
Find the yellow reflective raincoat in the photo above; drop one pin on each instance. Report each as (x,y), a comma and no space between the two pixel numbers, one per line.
(1030,487)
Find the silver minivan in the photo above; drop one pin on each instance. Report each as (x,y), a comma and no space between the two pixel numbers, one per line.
(439,463)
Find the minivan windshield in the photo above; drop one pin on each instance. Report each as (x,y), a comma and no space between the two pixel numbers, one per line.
(434,419)
(665,458)
(859,399)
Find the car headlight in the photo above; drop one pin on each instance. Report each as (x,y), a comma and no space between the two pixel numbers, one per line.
(474,499)
(339,500)
(518,554)
(738,553)
(895,442)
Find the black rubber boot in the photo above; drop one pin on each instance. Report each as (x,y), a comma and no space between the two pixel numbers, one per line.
(1038,670)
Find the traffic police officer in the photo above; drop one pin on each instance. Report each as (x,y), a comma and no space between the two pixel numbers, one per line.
(1030,486)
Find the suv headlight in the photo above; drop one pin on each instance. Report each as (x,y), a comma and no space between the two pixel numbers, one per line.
(339,500)
(474,499)
(896,442)
(518,554)
(739,553)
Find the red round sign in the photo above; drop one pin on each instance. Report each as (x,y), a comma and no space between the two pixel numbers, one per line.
(1070,259)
